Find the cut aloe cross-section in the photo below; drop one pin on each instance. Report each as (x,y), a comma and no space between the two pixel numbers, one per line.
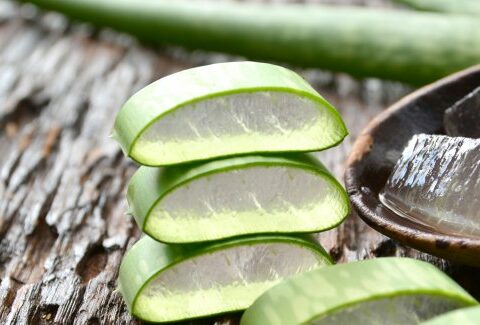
(236,196)
(464,316)
(165,283)
(225,109)
(390,291)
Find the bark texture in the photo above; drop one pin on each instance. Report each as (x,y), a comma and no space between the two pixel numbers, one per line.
(63,227)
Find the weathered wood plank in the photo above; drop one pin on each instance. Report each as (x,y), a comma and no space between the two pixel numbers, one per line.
(63,228)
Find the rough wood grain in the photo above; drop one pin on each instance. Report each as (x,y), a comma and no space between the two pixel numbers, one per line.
(63,228)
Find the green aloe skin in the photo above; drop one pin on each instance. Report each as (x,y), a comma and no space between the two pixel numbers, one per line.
(165,283)
(407,46)
(464,316)
(225,109)
(380,291)
(464,7)
(259,194)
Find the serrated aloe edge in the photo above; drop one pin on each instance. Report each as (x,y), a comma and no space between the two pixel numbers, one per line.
(464,316)
(236,196)
(379,291)
(165,283)
(225,109)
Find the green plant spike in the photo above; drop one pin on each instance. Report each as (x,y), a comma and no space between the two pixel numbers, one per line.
(166,283)
(390,291)
(236,196)
(464,316)
(225,109)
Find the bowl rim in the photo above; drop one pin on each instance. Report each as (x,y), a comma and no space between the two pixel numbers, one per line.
(427,241)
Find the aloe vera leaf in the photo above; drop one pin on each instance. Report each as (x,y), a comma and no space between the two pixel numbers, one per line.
(465,7)
(464,316)
(164,283)
(369,290)
(225,109)
(236,196)
(407,46)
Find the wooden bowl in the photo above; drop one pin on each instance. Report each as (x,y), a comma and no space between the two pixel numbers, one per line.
(380,145)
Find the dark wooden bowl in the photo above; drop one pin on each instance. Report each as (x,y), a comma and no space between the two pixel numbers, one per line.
(379,146)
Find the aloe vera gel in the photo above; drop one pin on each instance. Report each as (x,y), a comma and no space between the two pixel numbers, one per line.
(436,182)
(227,183)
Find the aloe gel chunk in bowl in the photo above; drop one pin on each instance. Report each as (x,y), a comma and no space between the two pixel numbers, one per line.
(225,109)
(236,196)
(436,182)
(165,283)
(393,291)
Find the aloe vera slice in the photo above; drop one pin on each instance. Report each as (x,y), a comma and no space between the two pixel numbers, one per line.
(225,109)
(236,196)
(381,291)
(164,283)
(464,316)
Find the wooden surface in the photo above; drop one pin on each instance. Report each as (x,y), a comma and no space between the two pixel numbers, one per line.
(63,228)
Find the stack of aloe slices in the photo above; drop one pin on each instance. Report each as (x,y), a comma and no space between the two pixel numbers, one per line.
(227,184)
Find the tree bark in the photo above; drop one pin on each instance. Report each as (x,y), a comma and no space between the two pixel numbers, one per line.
(63,227)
